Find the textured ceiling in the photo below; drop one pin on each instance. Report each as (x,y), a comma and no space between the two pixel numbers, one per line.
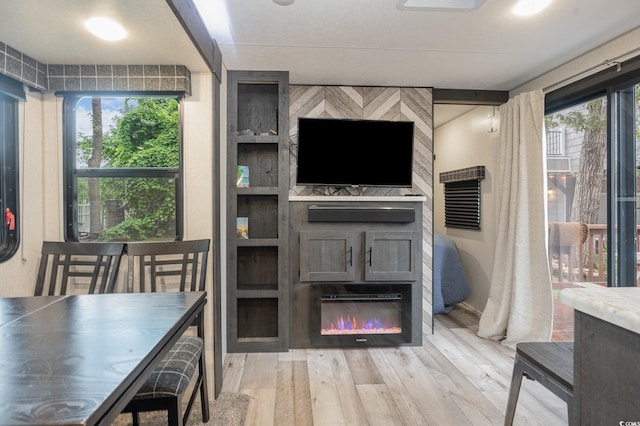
(333,42)
(372,42)
(348,42)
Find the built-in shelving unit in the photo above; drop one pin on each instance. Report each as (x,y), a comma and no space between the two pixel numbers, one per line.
(257,261)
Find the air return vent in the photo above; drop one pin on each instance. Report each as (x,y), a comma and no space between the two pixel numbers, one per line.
(441,5)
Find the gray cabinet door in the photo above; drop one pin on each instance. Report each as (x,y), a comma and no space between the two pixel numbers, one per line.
(326,256)
(391,256)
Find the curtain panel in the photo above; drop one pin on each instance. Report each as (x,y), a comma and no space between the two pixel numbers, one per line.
(520,303)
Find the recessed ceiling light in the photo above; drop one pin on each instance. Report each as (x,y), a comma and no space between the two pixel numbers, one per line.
(529,7)
(283,2)
(105,29)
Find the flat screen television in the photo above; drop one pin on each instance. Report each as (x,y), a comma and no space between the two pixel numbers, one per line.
(346,152)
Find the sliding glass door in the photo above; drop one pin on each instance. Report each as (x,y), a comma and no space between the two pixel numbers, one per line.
(593,179)
(577,188)
(593,164)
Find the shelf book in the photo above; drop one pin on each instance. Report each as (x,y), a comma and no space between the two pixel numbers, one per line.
(242,176)
(242,228)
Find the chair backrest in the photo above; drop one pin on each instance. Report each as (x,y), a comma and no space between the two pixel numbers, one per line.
(567,234)
(167,266)
(78,268)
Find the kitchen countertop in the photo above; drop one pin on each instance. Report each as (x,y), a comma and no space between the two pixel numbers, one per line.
(617,305)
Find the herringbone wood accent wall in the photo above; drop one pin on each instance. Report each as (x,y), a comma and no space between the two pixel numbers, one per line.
(378,103)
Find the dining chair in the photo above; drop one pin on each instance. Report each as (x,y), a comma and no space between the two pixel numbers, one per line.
(548,363)
(69,267)
(566,249)
(172,266)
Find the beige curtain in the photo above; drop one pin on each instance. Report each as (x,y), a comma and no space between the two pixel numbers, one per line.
(520,304)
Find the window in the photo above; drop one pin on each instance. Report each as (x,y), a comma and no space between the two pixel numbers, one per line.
(123,168)
(9,235)
(462,204)
(462,197)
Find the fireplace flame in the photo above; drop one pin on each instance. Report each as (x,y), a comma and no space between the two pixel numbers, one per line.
(353,325)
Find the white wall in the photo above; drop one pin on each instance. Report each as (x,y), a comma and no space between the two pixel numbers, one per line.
(198,158)
(461,143)
(198,185)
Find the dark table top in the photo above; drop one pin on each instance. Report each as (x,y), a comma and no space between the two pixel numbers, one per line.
(79,359)
(12,308)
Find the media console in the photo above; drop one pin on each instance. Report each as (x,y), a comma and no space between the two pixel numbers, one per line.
(356,271)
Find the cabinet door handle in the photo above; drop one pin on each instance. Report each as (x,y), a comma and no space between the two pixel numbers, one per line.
(370,254)
(350,256)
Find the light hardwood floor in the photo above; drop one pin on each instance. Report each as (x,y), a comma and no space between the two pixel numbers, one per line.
(455,378)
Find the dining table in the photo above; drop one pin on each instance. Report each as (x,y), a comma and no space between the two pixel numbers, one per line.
(79,359)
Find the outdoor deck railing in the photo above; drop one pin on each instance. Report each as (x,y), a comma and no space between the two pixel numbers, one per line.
(586,261)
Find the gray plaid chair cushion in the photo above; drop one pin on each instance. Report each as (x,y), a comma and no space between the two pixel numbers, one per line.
(172,375)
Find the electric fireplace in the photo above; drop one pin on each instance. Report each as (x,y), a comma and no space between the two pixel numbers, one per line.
(351,315)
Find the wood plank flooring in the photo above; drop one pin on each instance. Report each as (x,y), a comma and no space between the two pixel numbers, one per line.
(562,315)
(455,378)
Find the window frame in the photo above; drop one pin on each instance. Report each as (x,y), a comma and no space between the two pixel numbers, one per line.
(11,93)
(72,173)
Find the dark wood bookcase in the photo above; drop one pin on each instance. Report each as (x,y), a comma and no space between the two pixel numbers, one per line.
(257,266)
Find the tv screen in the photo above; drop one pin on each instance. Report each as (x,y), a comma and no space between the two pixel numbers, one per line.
(344,152)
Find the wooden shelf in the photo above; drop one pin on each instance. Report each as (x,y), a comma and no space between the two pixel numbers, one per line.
(262,190)
(259,139)
(257,242)
(257,273)
(258,340)
(256,291)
